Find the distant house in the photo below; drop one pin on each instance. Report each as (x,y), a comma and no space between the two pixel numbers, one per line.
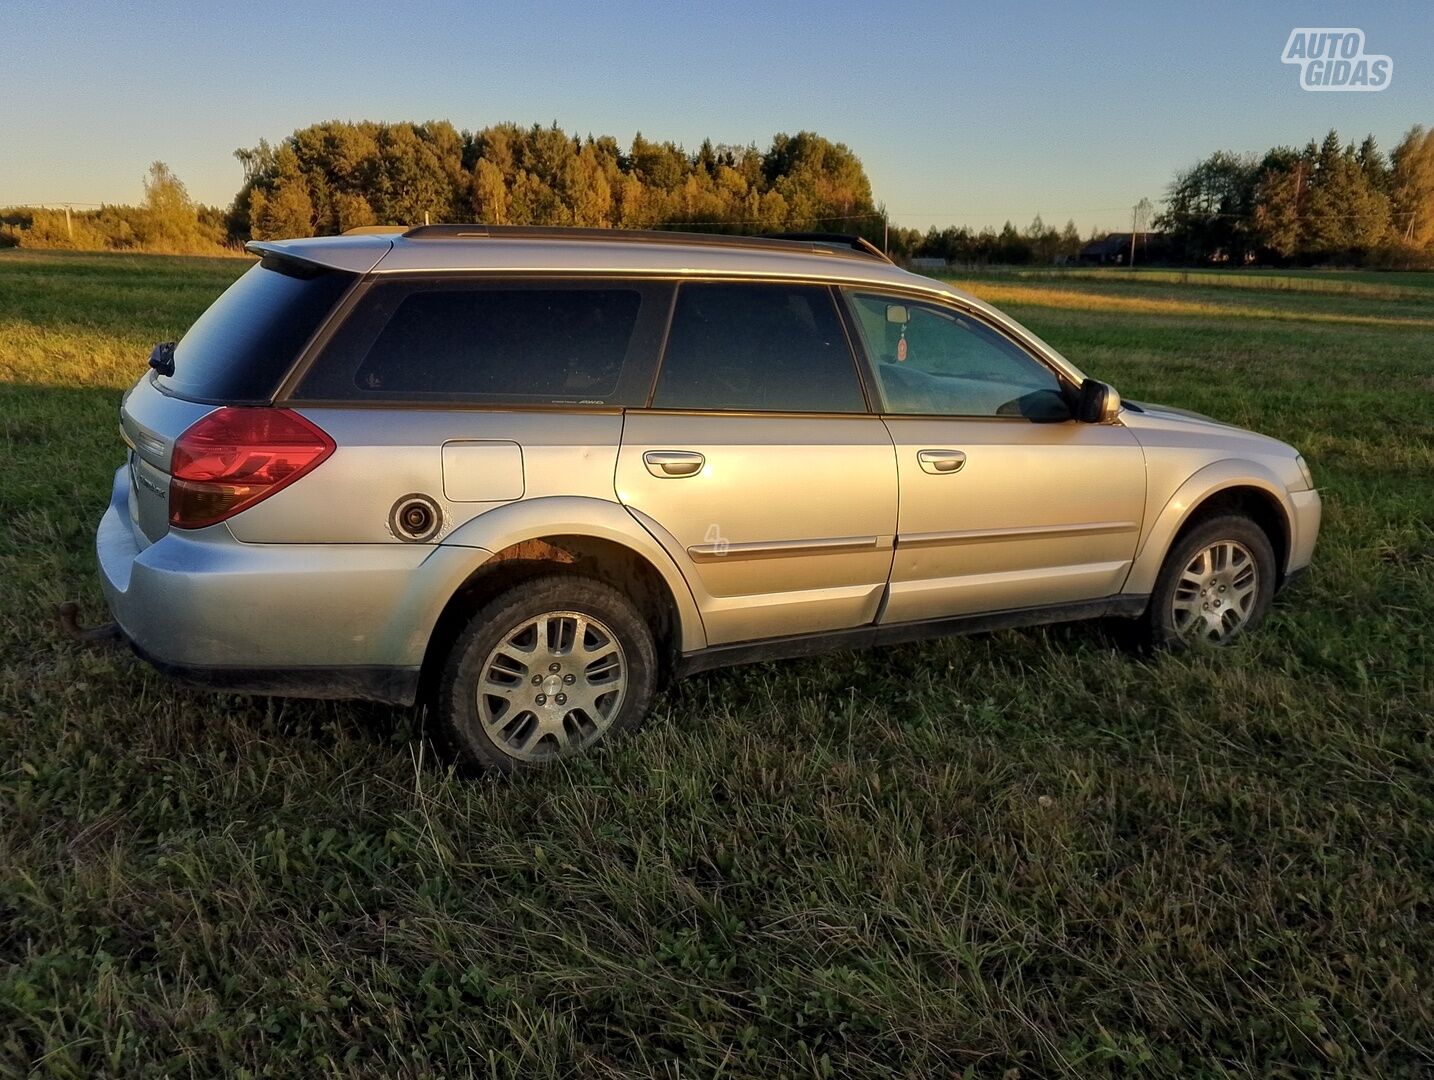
(1113,249)
(925,262)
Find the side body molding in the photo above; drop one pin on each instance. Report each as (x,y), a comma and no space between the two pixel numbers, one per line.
(1213,478)
(576,515)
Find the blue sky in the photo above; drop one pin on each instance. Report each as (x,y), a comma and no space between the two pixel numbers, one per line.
(962,113)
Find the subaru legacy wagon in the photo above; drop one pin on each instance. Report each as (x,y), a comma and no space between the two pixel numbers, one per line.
(525,475)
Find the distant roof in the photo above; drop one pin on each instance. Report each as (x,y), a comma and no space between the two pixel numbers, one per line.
(1110,244)
(1116,242)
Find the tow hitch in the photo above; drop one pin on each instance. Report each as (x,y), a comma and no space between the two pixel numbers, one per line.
(68,616)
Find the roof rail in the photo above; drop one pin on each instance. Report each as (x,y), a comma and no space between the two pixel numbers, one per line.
(839,240)
(809,243)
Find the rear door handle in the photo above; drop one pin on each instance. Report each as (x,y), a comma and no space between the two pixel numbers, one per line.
(941,461)
(669,463)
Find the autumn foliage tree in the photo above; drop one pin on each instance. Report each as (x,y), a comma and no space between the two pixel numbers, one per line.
(334,176)
(1411,189)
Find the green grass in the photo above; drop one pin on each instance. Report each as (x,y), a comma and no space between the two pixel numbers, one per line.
(1023,851)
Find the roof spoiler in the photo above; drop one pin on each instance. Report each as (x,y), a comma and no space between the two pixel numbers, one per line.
(275,257)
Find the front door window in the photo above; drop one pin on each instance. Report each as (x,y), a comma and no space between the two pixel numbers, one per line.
(935,361)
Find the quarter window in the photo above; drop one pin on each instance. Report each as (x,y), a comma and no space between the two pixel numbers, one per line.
(936,361)
(757,347)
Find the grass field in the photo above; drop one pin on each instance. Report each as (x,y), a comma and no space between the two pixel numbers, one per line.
(1026,851)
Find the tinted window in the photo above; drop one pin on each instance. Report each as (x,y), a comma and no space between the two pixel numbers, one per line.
(778,348)
(503,342)
(934,360)
(244,344)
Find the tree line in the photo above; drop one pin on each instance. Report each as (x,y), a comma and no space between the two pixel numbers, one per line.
(332,177)
(335,176)
(1329,203)
(1038,244)
(165,220)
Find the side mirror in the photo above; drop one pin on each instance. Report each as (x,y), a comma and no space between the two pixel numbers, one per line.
(1098,404)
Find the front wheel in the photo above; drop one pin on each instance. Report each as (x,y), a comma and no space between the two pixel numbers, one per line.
(1217,583)
(548,668)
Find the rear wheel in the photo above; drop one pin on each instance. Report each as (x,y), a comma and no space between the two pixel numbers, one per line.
(548,668)
(1217,583)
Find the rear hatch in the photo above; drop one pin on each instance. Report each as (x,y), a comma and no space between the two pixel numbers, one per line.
(236,353)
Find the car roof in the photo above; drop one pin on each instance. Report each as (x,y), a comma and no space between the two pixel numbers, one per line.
(584,251)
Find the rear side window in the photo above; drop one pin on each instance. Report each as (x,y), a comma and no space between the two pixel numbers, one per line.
(241,347)
(757,347)
(563,343)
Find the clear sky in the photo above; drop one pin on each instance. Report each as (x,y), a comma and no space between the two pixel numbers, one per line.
(962,113)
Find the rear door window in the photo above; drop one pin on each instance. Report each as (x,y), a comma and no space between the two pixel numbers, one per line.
(247,340)
(557,342)
(737,346)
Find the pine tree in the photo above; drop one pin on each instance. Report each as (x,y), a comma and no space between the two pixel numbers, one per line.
(1373,164)
(1326,215)
(1347,213)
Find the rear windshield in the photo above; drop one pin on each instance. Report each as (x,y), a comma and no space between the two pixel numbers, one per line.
(242,346)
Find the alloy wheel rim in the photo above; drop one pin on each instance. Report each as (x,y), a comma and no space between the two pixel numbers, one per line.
(553,684)
(1216,593)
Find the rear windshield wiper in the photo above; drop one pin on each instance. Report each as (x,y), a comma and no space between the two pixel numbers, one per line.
(162,358)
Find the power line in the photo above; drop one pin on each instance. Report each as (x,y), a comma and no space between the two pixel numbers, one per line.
(1244,217)
(1005,213)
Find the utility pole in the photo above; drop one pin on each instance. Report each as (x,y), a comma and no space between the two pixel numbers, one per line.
(1139,216)
(69,226)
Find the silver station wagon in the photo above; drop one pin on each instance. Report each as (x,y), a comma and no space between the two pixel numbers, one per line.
(525,475)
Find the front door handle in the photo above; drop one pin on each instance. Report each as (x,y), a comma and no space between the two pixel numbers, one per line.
(941,461)
(668,463)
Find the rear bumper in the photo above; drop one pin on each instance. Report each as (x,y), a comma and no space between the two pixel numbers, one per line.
(308,620)
(388,686)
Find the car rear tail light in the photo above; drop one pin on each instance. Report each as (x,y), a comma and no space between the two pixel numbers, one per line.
(235,457)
